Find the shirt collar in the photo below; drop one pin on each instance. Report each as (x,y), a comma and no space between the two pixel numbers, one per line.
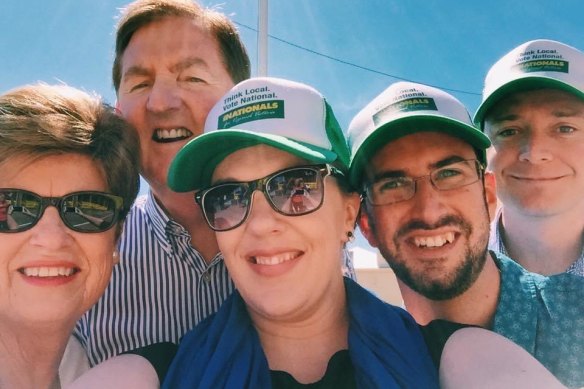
(496,243)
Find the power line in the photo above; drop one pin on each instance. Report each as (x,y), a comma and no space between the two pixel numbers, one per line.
(354,64)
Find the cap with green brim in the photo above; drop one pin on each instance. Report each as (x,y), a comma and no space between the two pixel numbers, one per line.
(403,109)
(537,64)
(287,115)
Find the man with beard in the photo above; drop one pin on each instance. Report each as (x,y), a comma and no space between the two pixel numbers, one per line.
(427,206)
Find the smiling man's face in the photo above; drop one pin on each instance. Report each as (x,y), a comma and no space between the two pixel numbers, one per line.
(436,241)
(172,75)
(538,145)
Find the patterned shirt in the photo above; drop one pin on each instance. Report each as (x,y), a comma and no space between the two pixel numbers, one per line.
(161,288)
(496,244)
(545,316)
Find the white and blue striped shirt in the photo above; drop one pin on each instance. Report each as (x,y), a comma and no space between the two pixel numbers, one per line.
(161,288)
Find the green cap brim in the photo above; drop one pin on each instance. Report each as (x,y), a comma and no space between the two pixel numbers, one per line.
(409,125)
(194,164)
(523,84)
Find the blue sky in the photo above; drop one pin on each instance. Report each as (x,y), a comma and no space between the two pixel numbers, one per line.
(446,43)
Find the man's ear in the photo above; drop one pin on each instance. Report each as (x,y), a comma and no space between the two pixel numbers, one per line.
(491,194)
(366,225)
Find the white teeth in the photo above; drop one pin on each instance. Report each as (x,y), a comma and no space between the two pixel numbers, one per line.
(47,271)
(275,260)
(172,133)
(434,241)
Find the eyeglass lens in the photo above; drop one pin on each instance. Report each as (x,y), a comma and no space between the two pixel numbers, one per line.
(291,192)
(82,211)
(395,189)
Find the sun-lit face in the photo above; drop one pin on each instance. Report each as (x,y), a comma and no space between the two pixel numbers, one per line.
(172,74)
(436,241)
(51,274)
(538,144)
(285,267)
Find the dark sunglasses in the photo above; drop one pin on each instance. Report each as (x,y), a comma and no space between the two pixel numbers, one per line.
(21,210)
(292,192)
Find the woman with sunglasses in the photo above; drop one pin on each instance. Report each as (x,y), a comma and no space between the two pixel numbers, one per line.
(294,319)
(68,175)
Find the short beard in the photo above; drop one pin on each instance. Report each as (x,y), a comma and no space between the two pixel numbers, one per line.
(458,282)
(460,279)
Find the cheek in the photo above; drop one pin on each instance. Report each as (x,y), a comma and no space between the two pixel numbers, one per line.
(10,245)
(130,109)
(99,251)
(501,156)
(227,242)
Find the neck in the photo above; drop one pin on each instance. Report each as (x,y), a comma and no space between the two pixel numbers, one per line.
(476,306)
(544,245)
(304,347)
(30,355)
(181,207)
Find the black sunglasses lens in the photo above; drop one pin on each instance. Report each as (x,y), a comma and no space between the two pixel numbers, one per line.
(296,191)
(19,210)
(225,206)
(88,212)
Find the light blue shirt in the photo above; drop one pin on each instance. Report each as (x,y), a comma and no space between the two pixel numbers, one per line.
(545,316)
(496,244)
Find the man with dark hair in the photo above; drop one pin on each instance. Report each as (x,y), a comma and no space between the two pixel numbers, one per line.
(427,205)
(173,61)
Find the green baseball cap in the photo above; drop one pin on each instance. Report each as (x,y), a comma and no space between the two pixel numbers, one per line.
(402,109)
(287,115)
(533,65)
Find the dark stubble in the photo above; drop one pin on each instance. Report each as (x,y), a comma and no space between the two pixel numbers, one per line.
(460,278)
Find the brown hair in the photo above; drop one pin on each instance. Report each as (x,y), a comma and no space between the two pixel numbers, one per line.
(42,120)
(143,12)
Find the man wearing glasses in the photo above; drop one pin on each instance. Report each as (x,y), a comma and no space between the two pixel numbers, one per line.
(427,206)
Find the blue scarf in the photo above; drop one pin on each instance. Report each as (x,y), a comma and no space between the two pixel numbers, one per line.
(224,351)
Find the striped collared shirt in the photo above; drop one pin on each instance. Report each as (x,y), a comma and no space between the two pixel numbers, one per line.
(496,244)
(161,288)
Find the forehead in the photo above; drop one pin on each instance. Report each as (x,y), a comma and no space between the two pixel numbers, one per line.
(554,101)
(418,151)
(254,162)
(170,39)
(53,174)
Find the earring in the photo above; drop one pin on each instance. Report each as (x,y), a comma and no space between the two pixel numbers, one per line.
(350,236)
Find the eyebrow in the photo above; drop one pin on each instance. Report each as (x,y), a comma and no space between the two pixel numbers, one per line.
(563,112)
(228,180)
(138,70)
(568,112)
(187,63)
(135,70)
(402,173)
(503,118)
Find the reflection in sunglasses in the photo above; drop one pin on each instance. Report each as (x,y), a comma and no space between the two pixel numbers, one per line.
(80,211)
(292,192)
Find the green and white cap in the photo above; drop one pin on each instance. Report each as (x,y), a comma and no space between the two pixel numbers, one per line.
(535,64)
(287,115)
(403,109)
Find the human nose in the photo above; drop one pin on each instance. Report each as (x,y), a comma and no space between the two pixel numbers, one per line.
(427,203)
(262,218)
(50,231)
(163,97)
(535,149)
